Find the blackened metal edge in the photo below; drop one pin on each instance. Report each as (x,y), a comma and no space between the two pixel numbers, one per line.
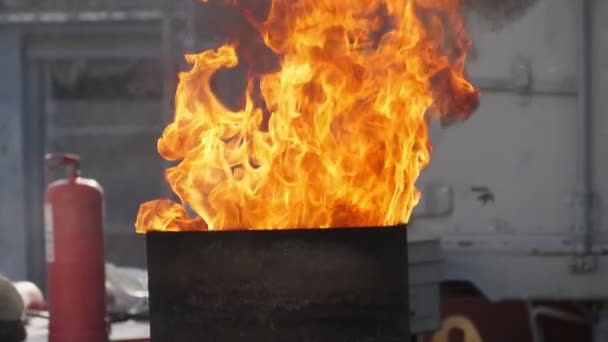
(341,284)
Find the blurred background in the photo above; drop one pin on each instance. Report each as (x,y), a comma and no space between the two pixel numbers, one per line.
(95,78)
(514,196)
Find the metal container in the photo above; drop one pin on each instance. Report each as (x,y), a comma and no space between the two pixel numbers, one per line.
(424,264)
(334,285)
(73,221)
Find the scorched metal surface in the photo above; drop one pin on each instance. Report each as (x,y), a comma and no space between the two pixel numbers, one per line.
(322,285)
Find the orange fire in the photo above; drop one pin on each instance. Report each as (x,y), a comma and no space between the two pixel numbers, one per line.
(340,135)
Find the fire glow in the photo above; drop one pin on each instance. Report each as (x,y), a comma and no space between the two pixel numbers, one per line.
(340,135)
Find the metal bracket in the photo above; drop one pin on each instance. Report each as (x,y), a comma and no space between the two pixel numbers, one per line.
(582,264)
(583,260)
(523,79)
(437,201)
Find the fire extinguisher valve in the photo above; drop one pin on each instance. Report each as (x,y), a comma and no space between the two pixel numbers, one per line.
(68,160)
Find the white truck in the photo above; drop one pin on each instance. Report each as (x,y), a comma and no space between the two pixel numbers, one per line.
(516,193)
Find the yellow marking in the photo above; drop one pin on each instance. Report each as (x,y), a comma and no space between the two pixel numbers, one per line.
(471,334)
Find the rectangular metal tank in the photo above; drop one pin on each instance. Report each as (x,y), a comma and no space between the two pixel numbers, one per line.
(324,285)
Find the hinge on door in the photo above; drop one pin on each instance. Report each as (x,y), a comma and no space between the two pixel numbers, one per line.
(585,263)
(583,260)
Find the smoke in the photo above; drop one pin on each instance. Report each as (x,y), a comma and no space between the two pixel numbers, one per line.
(498,13)
(233,22)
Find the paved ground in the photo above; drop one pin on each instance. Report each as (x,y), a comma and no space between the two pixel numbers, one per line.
(125,331)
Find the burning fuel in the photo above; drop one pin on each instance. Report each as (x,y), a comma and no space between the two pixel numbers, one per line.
(339,136)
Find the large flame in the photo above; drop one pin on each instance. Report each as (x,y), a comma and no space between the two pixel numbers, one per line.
(340,135)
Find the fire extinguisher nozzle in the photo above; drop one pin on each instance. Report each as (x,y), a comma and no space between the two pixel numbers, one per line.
(69,160)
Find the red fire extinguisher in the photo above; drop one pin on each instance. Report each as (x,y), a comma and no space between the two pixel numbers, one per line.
(73,211)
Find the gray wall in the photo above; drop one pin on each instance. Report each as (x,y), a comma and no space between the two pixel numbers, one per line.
(115,135)
(13,252)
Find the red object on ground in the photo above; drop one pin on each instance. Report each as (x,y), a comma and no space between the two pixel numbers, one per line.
(509,321)
(75,259)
